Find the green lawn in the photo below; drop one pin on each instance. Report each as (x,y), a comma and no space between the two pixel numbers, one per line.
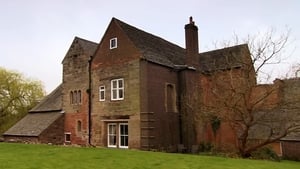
(21,156)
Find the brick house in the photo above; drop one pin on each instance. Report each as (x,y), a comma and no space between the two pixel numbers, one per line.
(136,90)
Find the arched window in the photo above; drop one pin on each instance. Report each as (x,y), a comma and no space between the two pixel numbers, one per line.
(170,98)
(79,96)
(79,126)
(75,97)
(71,97)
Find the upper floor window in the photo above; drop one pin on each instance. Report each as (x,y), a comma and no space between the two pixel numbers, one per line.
(170,98)
(75,97)
(71,97)
(102,93)
(113,43)
(117,89)
(79,96)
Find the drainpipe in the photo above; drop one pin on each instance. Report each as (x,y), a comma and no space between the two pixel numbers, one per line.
(89,91)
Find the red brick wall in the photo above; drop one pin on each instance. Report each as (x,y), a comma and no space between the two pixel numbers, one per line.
(215,90)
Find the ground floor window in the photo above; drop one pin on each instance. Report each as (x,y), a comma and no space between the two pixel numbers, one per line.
(117,135)
(67,137)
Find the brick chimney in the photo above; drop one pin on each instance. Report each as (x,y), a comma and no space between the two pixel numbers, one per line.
(191,43)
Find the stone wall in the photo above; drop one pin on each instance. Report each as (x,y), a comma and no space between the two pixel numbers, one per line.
(108,111)
(21,139)
(76,78)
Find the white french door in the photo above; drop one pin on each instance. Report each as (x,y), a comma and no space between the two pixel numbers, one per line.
(112,135)
(123,135)
(117,135)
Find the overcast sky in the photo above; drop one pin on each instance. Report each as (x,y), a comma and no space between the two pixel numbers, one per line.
(36,34)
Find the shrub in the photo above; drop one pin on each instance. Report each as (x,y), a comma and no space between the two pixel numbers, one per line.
(265,153)
(206,147)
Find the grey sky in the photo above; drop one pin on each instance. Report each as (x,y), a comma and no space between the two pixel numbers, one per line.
(36,34)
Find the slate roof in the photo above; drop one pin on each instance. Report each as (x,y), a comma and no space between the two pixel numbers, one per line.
(163,52)
(222,59)
(86,47)
(33,124)
(154,48)
(40,117)
(52,102)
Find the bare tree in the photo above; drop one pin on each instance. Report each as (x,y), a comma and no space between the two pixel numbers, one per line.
(266,48)
(257,114)
(294,71)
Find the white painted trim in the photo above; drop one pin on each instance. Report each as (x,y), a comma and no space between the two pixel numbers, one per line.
(110,43)
(67,133)
(108,134)
(117,89)
(102,90)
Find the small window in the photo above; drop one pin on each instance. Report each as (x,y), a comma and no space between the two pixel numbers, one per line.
(79,96)
(117,89)
(68,137)
(79,126)
(71,97)
(75,97)
(113,43)
(170,98)
(102,93)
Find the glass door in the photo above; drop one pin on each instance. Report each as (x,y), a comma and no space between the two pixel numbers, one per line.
(123,135)
(112,135)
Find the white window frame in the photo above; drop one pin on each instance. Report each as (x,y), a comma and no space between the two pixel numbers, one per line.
(102,90)
(113,43)
(123,135)
(67,141)
(117,89)
(111,134)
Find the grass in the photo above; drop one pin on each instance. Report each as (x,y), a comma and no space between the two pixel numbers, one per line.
(21,156)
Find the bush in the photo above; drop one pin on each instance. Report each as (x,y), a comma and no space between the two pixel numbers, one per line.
(206,147)
(265,153)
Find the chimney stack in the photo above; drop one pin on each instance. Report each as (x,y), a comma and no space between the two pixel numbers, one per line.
(191,43)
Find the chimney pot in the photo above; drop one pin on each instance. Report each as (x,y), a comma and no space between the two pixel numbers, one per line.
(191,20)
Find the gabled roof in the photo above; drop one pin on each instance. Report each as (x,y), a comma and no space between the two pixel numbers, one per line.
(154,48)
(33,124)
(89,47)
(223,59)
(81,46)
(163,52)
(52,102)
(40,117)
